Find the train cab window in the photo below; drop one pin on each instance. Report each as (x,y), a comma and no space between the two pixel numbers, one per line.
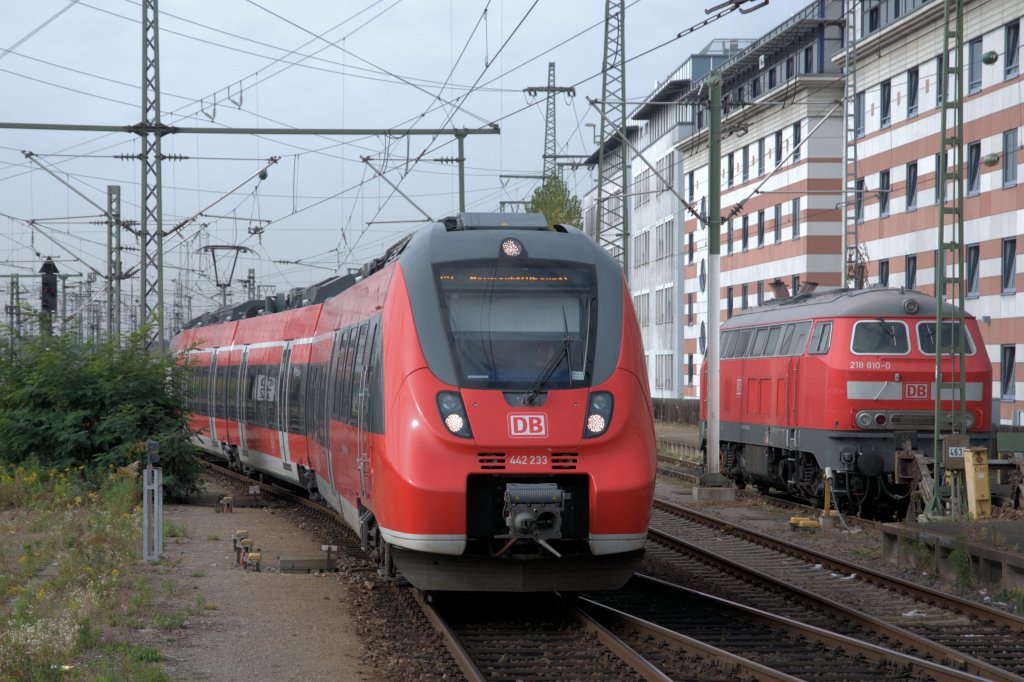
(821,339)
(950,337)
(508,324)
(880,337)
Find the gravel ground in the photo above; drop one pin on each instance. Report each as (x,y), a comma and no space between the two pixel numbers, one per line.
(349,625)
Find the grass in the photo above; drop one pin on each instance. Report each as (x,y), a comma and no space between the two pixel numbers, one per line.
(213,538)
(72,583)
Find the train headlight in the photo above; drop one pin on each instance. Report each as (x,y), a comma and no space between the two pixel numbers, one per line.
(512,247)
(599,414)
(969,420)
(453,414)
(864,420)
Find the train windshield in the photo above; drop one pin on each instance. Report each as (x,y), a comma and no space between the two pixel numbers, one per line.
(508,325)
(880,337)
(950,337)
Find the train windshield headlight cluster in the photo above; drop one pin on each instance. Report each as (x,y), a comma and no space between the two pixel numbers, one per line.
(453,414)
(512,247)
(599,414)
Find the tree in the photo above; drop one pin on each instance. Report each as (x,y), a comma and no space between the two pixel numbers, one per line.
(65,404)
(559,206)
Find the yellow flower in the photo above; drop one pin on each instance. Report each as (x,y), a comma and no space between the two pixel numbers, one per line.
(41,594)
(114,572)
(23,559)
(78,500)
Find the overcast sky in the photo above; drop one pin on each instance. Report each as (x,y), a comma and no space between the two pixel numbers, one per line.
(309,64)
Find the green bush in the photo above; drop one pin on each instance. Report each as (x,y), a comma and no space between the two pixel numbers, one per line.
(64,404)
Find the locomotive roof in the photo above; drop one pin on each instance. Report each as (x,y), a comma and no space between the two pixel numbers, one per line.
(872,302)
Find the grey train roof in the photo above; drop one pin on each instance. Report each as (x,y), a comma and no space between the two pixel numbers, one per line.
(871,303)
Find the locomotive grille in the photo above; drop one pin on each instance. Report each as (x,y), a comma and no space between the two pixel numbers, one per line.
(563,460)
(491,460)
(913,419)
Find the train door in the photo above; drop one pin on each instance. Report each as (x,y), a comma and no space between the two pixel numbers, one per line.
(360,403)
(211,401)
(241,396)
(282,403)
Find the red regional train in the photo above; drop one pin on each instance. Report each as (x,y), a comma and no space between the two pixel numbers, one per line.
(839,379)
(474,403)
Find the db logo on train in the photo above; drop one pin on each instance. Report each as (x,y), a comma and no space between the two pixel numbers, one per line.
(915,391)
(527,425)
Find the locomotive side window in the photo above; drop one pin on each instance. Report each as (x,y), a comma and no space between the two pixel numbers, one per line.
(760,340)
(950,337)
(794,338)
(742,343)
(821,339)
(773,341)
(728,344)
(880,337)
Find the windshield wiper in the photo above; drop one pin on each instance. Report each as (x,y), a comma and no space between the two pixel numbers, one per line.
(549,369)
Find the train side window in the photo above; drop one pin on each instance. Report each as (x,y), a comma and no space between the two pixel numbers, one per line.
(296,391)
(251,412)
(742,344)
(356,371)
(950,332)
(880,337)
(728,343)
(339,405)
(375,421)
(787,338)
(822,338)
(772,348)
(798,343)
(760,340)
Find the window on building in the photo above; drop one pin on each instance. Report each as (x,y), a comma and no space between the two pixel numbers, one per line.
(912,84)
(883,193)
(886,103)
(771,78)
(1008,372)
(796,284)
(689,246)
(1010,158)
(858,201)
(744,296)
(689,368)
(760,228)
(746,163)
(778,223)
(883,272)
(689,308)
(1011,49)
(897,9)
(728,302)
(973,168)
(796,142)
(973,276)
(728,235)
(796,218)
(745,233)
(912,186)
(872,17)
(858,114)
(755,88)
(790,67)
(808,60)
(1009,265)
(939,80)
(778,148)
(689,186)
(760,292)
(760,156)
(729,170)
(911,272)
(974,66)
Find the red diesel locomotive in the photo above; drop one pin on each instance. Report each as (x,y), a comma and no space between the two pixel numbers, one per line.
(474,403)
(839,379)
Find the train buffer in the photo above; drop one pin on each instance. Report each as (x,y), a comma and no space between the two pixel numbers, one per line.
(324,563)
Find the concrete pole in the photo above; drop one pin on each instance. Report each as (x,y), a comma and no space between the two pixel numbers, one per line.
(714,264)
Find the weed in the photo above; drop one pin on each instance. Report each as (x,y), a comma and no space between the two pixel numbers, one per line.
(196,574)
(171,621)
(211,538)
(962,563)
(1014,597)
(174,530)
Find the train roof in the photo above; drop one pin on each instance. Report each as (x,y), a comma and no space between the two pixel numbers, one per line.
(332,286)
(871,302)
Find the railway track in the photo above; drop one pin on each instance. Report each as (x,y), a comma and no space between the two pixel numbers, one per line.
(782,578)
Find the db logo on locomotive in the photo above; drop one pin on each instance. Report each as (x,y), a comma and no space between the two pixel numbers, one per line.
(527,425)
(915,391)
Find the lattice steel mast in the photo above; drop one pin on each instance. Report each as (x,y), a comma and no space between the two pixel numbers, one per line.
(612,224)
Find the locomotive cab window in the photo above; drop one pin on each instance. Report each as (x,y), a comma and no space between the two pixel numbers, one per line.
(821,339)
(880,337)
(507,325)
(950,337)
